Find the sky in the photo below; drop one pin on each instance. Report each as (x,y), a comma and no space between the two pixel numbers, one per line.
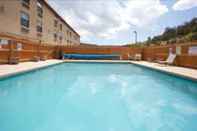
(112,22)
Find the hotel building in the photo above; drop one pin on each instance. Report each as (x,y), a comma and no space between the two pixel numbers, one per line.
(35,20)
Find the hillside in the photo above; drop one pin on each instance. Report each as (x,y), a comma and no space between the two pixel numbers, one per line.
(182,33)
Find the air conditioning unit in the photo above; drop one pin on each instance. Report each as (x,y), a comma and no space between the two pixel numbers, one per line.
(3,42)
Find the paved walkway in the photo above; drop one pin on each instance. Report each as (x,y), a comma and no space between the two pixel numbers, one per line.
(180,71)
(8,70)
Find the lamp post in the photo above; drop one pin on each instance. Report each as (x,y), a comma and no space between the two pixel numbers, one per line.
(135,32)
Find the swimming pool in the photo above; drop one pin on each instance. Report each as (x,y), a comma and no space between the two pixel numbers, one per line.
(97,97)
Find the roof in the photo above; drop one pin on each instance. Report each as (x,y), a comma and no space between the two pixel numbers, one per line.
(57,15)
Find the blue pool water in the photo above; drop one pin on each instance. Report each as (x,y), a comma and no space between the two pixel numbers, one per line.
(97,97)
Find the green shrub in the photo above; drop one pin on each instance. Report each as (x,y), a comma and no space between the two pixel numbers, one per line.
(194,36)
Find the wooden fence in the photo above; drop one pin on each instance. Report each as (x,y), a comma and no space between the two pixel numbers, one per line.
(30,50)
(25,51)
(122,51)
(161,53)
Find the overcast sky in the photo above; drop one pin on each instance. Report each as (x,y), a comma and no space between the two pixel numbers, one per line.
(113,21)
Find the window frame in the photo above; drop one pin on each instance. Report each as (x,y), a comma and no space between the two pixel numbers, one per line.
(61,27)
(26,3)
(55,23)
(55,37)
(2,8)
(39,8)
(25,23)
(60,39)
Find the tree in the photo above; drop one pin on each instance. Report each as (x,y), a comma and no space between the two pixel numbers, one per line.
(186,31)
(168,34)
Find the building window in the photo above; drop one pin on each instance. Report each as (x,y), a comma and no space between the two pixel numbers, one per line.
(55,37)
(24,20)
(39,9)
(70,34)
(65,37)
(39,26)
(2,9)
(61,27)
(60,38)
(55,23)
(25,3)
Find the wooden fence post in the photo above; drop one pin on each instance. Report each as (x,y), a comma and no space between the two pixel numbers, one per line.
(10,51)
(13,58)
(39,49)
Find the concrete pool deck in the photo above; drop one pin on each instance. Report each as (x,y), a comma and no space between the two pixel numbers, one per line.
(9,70)
(174,70)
